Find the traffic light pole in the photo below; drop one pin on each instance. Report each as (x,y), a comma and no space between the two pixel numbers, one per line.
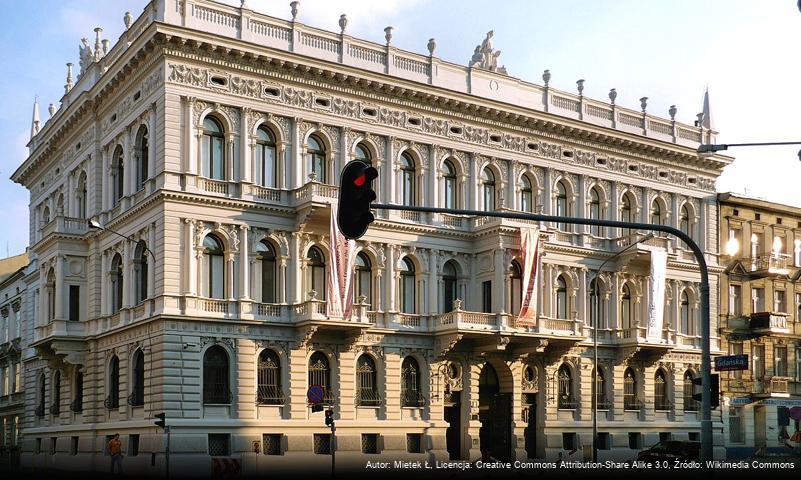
(706,363)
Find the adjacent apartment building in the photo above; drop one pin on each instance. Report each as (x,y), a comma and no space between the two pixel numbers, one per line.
(205,146)
(12,289)
(760,312)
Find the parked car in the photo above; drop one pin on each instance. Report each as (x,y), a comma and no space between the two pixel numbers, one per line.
(672,450)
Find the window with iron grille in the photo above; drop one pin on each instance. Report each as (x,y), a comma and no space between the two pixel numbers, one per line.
(736,425)
(320,374)
(366,383)
(133,445)
(369,443)
(635,440)
(269,372)
(414,442)
(38,447)
(661,401)
(219,444)
(569,441)
(694,436)
(272,443)
(566,399)
(216,387)
(322,444)
(604,441)
(690,404)
(665,436)
(74,446)
(53,442)
(411,396)
(630,391)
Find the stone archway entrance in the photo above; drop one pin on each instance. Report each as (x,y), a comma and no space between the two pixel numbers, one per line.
(495,414)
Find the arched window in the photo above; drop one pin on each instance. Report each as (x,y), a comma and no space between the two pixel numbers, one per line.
(690,404)
(630,401)
(626,311)
(661,400)
(55,407)
(77,393)
(362,153)
(526,194)
(117,286)
(626,211)
(408,181)
(60,204)
(141,151)
(51,295)
(118,167)
(82,196)
(265,256)
(269,390)
(364,278)
(600,391)
(684,220)
(657,217)
(597,311)
(320,374)
(315,272)
(315,159)
(562,204)
(266,158)
(137,397)
(407,293)
(686,322)
(562,307)
(488,189)
(595,210)
(140,271)
(216,385)
(366,383)
(449,283)
(213,149)
(449,177)
(40,391)
(45,216)
(113,382)
(411,394)
(213,267)
(566,396)
(516,287)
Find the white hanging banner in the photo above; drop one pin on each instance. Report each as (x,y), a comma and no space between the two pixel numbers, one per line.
(339,294)
(656,307)
(530,249)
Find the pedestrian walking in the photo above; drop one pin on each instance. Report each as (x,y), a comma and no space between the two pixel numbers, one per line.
(115,450)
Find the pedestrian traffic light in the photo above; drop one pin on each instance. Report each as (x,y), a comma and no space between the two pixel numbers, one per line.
(329,417)
(162,419)
(355,195)
(714,389)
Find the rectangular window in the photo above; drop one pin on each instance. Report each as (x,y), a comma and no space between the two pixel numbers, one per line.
(757,300)
(219,444)
(53,441)
(414,442)
(758,352)
(322,444)
(486,296)
(17,374)
(735,300)
(779,301)
(694,437)
(798,364)
(75,303)
(370,443)
(37,449)
(74,446)
(272,443)
(604,441)
(665,436)
(569,441)
(736,434)
(133,445)
(635,440)
(780,361)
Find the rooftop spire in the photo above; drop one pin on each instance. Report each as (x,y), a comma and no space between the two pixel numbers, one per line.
(707,122)
(35,119)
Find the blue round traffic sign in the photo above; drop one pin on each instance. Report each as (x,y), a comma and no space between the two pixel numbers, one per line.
(315,394)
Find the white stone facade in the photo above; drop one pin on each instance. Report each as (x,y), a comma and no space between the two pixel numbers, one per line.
(132,147)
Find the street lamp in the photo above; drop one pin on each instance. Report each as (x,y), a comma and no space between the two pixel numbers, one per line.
(716,147)
(95,225)
(597,307)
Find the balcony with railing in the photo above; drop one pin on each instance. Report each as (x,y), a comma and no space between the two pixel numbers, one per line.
(66,226)
(638,336)
(313,192)
(768,264)
(775,386)
(768,322)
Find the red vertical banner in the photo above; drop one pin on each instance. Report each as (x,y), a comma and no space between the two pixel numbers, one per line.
(530,249)
(339,297)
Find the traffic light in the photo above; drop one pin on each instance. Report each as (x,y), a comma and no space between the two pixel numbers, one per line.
(714,388)
(329,417)
(162,419)
(355,195)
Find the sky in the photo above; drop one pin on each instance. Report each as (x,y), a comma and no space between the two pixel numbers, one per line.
(743,51)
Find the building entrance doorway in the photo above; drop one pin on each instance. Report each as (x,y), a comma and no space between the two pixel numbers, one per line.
(495,414)
(760,428)
(453,415)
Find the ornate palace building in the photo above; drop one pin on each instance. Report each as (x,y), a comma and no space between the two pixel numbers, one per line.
(206,145)
(760,312)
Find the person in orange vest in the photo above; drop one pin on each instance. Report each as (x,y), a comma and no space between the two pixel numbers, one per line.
(115,450)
